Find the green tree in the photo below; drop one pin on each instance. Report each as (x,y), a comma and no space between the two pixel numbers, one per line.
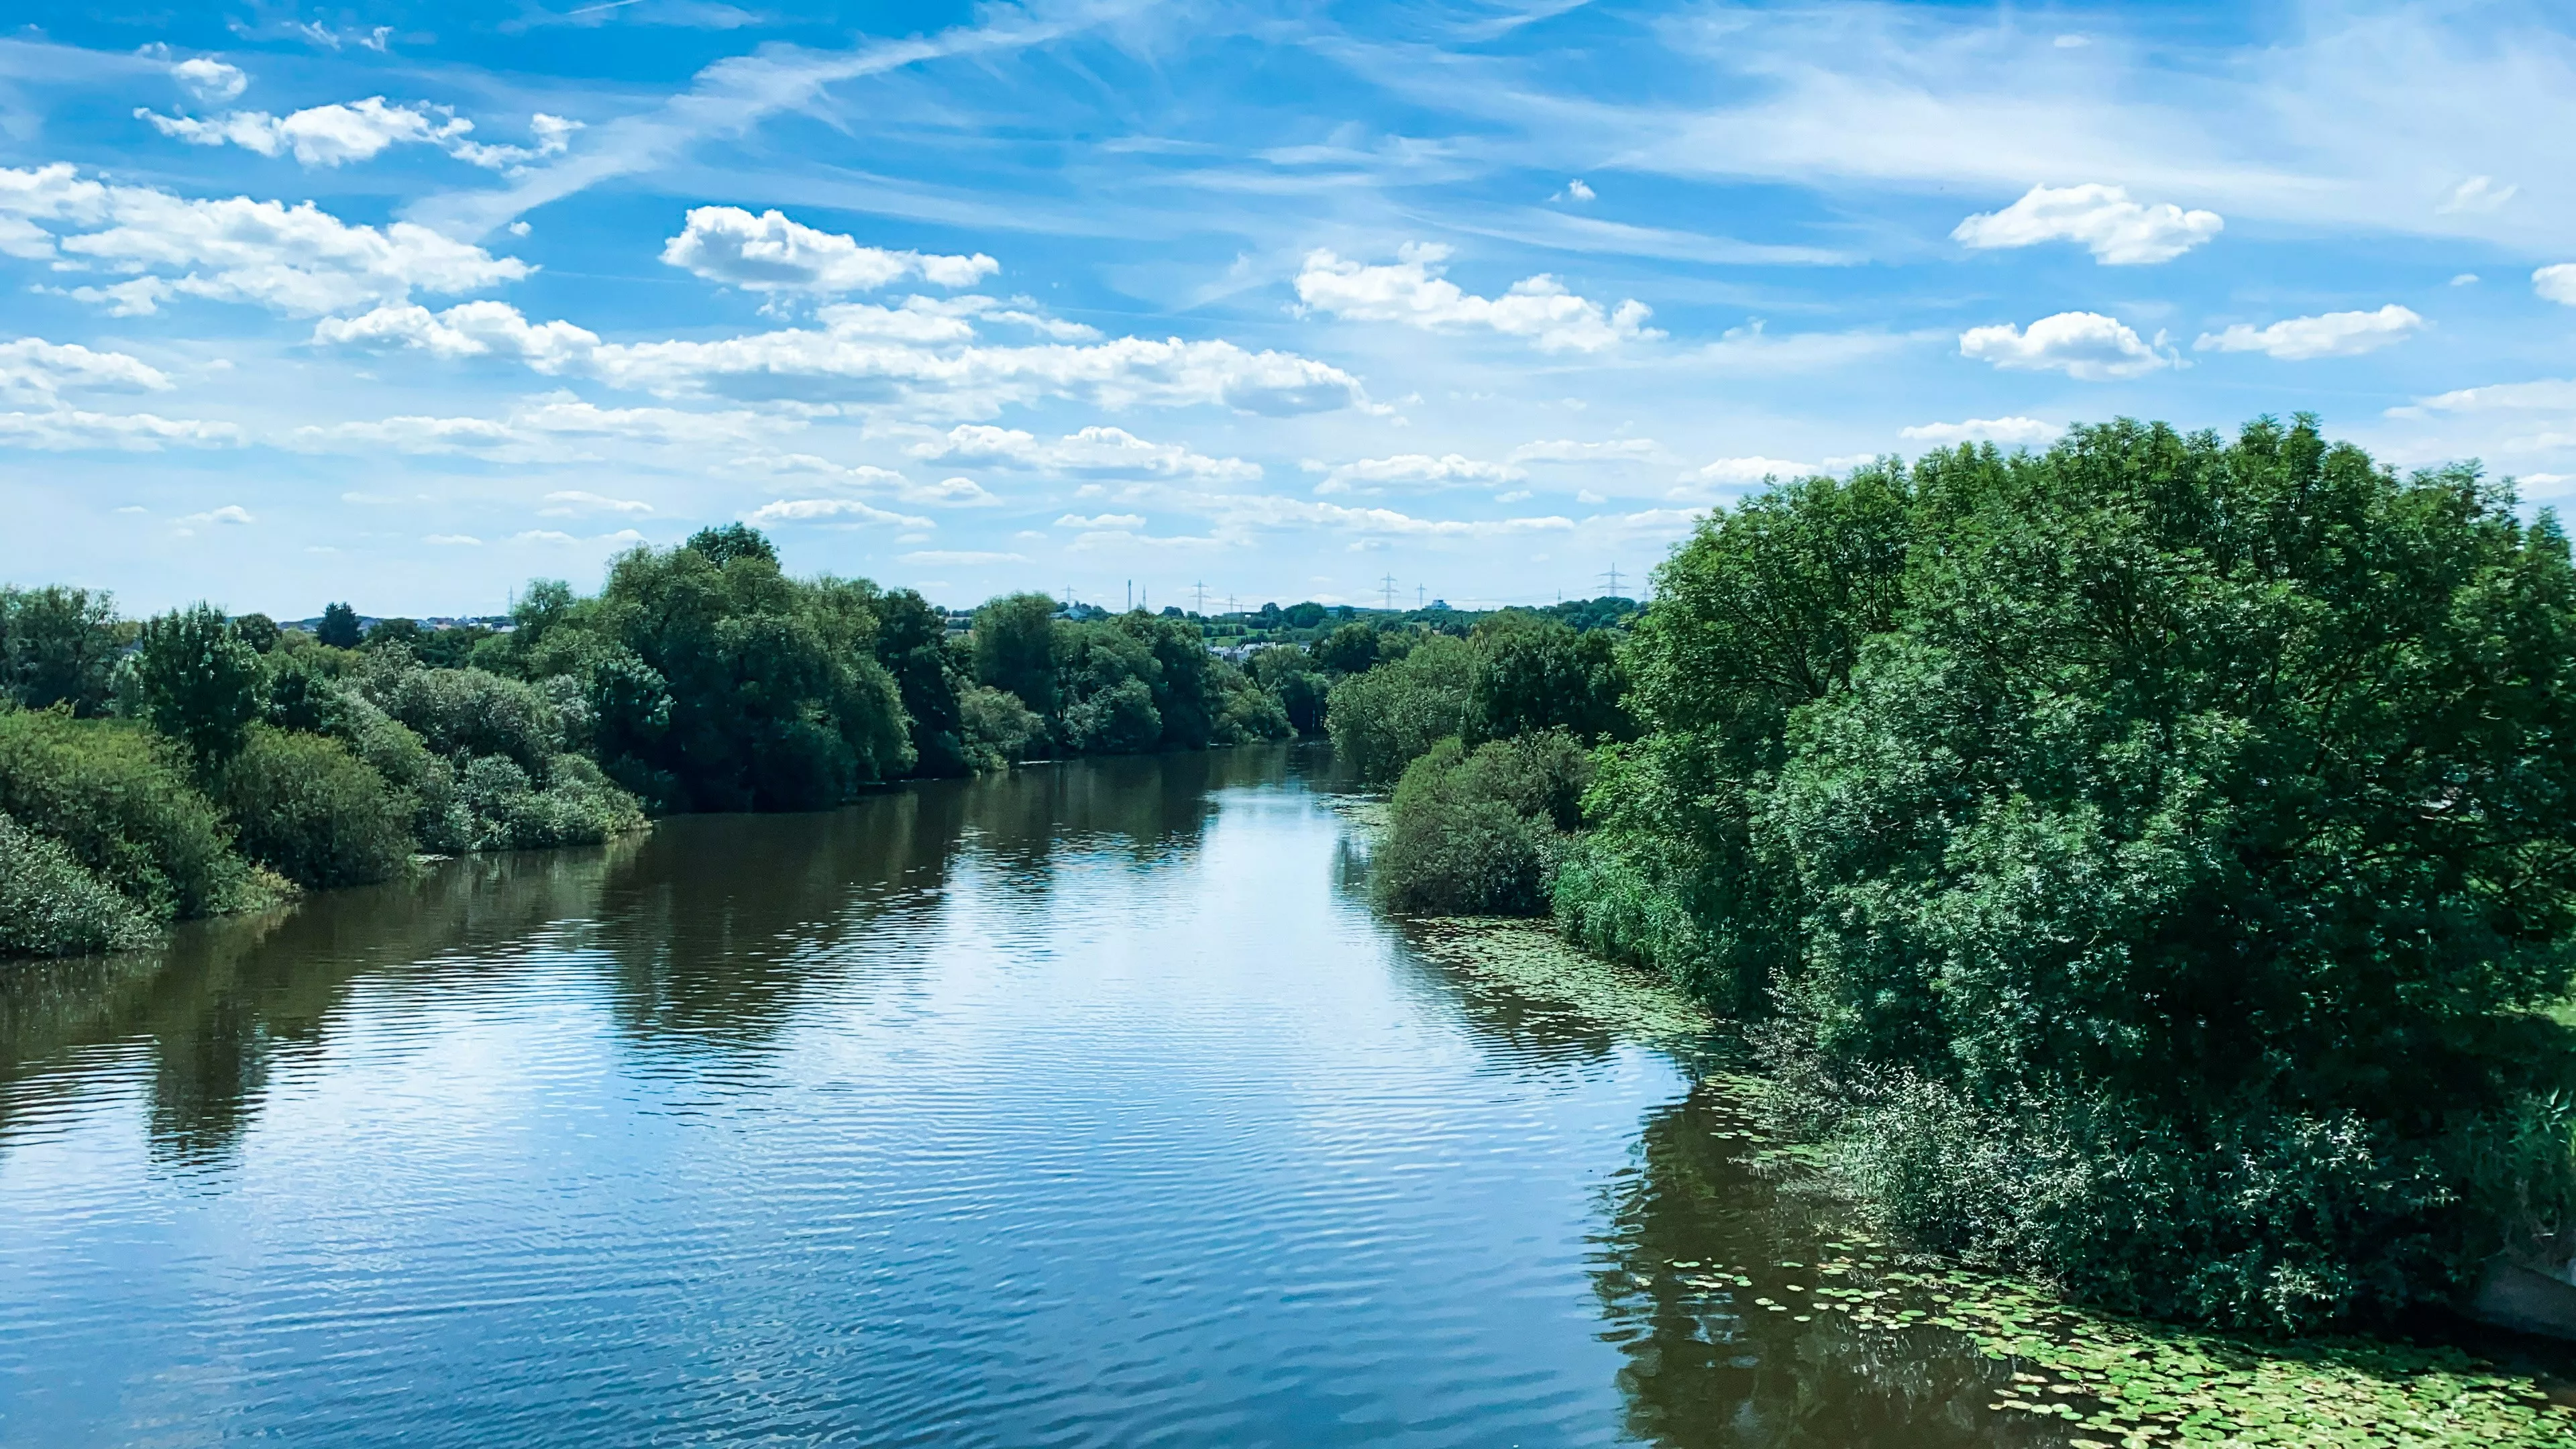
(339,627)
(57,646)
(1391,716)
(305,807)
(1350,649)
(721,546)
(1536,674)
(1015,649)
(912,644)
(202,686)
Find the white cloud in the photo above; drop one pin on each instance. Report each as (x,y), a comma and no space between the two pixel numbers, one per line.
(557,428)
(232,514)
(2465,279)
(2119,232)
(2556,283)
(2477,194)
(453,540)
(297,259)
(2027,431)
(962,556)
(1731,471)
(1574,190)
(469,329)
(1093,452)
(331,135)
(2547,395)
(1567,450)
(347,131)
(2086,346)
(69,430)
(34,370)
(1417,470)
(2335,334)
(769,253)
(1413,292)
(831,510)
(209,79)
(867,478)
(567,502)
(843,364)
(1105,520)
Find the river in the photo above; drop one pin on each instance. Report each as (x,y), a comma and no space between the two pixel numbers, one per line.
(1090,1105)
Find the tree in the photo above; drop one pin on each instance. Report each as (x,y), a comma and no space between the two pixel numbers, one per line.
(912,644)
(202,686)
(1015,649)
(1536,674)
(388,633)
(339,627)
(258,631)
(1350,649)
(57,646)
(721,546)
(1385,719)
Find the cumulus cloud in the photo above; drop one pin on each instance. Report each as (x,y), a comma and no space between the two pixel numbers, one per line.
(2334,334)
(2556,283)
(469,329)
(1104,520)
(1413,291)
(840,364)
(867,478)
(232,514)
(2549,394)
(72,430)
(297,259)
(1093,452)
(2118,231)
(1416,470)
(2086,346)
(36,371)
(209,79)
(831,510)
(346,131)
(769,253)
(2026,431)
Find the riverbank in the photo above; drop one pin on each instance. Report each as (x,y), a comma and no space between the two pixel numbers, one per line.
(2099,1379)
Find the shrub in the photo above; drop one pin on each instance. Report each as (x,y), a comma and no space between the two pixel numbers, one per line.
(996,726)
(119,800)
(51,906)
(2160,851)
(461,712)
(306,807)
(1118,720)
(509,811)
(1391,716)
(1474,832)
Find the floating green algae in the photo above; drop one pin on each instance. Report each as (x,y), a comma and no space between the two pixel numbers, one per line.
(1530,958)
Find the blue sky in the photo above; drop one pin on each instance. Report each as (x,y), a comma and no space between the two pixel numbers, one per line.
(407,304)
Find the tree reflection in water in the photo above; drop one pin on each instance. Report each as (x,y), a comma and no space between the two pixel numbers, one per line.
(1710,1366)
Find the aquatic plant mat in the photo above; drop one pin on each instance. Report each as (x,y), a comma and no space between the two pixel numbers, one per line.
(1729,1257)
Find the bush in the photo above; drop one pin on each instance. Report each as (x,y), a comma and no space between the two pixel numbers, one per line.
(51,906)
(58,646)
(509,811)
(118,799)
(2159,852)
(1391,716)
(1118,720)
(1474,832)
(464,712)
(307,808)
(996,726)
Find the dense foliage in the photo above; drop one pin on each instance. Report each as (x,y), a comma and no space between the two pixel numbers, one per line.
(1474,832)
(2157,855)
(199,763)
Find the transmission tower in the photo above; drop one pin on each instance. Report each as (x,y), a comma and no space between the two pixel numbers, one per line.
(1418,592)
(1613,577)
(1389,584)
(1201,587)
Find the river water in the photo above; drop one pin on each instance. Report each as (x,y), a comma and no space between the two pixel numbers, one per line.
(1091,1105)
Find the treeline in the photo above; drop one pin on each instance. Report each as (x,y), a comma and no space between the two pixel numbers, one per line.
(198,763)
(2150,863)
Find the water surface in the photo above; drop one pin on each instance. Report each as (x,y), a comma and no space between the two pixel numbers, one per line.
(1087,1106)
